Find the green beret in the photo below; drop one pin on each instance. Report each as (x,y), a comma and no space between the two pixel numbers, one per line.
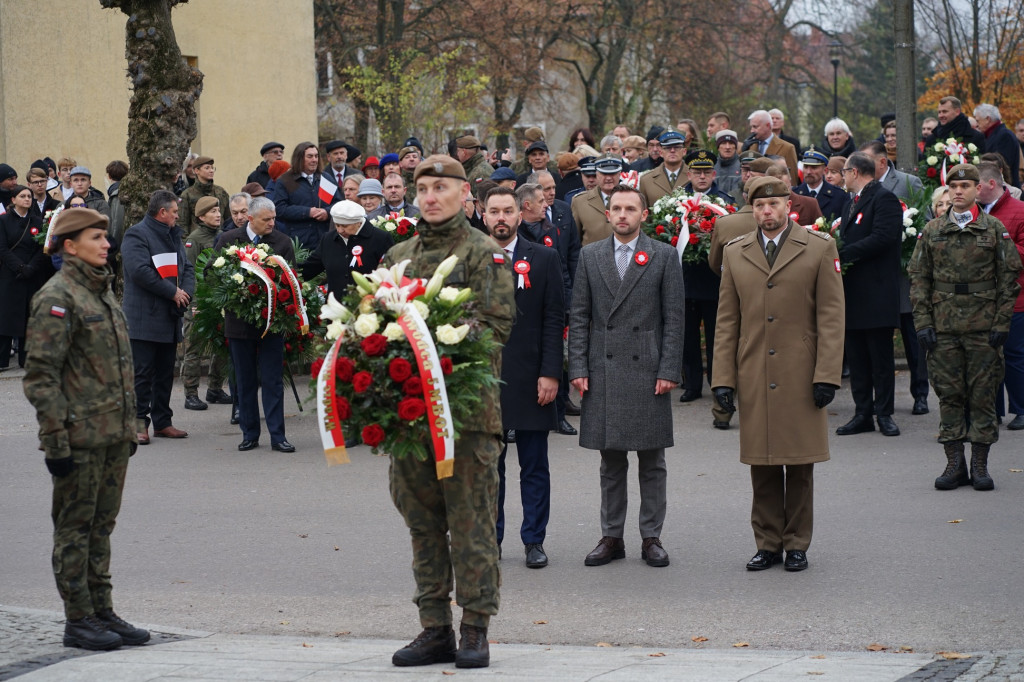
(73,220)
(439,166)
(766,187)
(963,171)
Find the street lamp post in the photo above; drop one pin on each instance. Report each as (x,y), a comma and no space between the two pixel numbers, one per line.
(834,50)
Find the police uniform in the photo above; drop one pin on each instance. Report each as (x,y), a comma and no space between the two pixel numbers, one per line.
(657,183)
(831,199)
(963,284)
(588,208)
(80,379)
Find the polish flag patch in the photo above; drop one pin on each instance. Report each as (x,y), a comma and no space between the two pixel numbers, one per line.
(838,268)
(57,311)
(166,264)
(499,258)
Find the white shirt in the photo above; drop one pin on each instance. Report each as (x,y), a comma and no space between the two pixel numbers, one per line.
(631,244)
(884,175)
(510,248)
(816,190)
(248,231)
(774,240)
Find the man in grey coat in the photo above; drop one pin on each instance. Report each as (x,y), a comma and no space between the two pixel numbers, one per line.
(625,356)
(159,282)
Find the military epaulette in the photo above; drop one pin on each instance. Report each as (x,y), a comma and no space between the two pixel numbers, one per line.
(816,233)
(735,239)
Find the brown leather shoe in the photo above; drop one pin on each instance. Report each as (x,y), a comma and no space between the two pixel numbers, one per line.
(143,437)
(607,550)
(170,432)
(653,553)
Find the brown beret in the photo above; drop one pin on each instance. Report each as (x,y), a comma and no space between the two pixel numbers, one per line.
(837,163)
(405,151)
(73,220)
(202,161)
(254,189)
(533,134)
(761,165)
(467,142)
(205,205)
(763,188)
(440,166)
(963,171)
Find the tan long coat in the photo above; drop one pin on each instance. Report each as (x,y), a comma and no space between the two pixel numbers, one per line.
(778,333)
(588,212)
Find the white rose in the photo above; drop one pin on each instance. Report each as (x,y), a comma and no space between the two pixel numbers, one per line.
(392,332)
(238,277)
(939,146)
(932,160)
(421,308)
(971,147)
(907,222)
(955,158)
(258,255)
(912,231)
(976,160)
(334,330)
(450,335)
(448,294)
(366,324)
(390,226)
(219,263)
(232,249)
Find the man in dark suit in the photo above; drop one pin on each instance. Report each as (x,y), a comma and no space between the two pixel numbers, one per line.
(354,244)
(258,360)
(999,138)
(299,199)
(625,351)
(531,363)
(870,236)
(954,123)
(831,200)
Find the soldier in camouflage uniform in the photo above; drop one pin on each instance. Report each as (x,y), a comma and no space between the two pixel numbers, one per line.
(80,379)
(203,187)
(204,233)
(473,161)
(963,285)
(464,505)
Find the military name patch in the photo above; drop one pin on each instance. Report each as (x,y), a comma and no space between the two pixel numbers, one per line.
(985,240)
(57,311)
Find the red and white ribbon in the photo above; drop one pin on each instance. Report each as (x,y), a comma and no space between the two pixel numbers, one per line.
(522,269)
(248,264)
(357,257)
(328,420)
(296,288)
(687,207)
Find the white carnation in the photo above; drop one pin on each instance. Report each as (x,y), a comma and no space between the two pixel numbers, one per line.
(219,263)
(912,231)
(238,277)
(393,332)
(366,324)
(421,308)
(933,160)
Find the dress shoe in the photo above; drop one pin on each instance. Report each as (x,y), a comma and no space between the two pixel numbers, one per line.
(846,371)
(764,560)
(90,633)
(607,550)
(724,426)
(796,560)
(217,396)
(170,432)
(566,429)
(571,408)
(131,635)
(860,423)
(283,446)
(248,445)
(433,645)
(887,426)
(1017,423)
(510,436)
(192,402)
(143,437)
(689,396)
(236,415)
(653,553)
(535,556)
(474,651)
(920,406)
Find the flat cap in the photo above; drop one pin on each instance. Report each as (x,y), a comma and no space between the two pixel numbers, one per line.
(634,142)
(348,212)
(701,159)
(764,188)
(963,171)
(608,165)
(405,151)
(334,144)
(727,136)
(370,188)
(533,134)
(439,166)
(7,172)
(814,157)
(761,165)
(255,189)
(388,158)
(567,162)
(672,138)
(76,219)
(538,146)
(503,173)
(205,205)
(79,170)
(271,145)
(202,161)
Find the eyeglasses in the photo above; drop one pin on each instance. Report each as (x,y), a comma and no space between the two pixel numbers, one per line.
(847,170)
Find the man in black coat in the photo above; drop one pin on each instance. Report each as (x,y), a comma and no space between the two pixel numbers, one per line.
(271,152)
(354,244)
(999,139)
(831,200)
(870,237)
(258,361)
(531,363)
(301,200)
(954,123)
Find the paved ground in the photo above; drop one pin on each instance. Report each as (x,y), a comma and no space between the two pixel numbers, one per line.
(265,544)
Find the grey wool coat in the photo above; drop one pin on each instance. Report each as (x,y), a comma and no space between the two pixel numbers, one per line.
(624,335)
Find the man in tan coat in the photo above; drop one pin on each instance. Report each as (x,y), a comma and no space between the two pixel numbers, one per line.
(589,208)
(779,344)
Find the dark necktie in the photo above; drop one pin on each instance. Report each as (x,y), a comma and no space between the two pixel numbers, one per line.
(770,247)
(339,178)
(256,239)
(814,193)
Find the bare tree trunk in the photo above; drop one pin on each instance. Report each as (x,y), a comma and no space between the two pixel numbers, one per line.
(162,112)
(906,97)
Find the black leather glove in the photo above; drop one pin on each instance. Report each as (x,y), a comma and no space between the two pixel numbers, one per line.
(997,339)
(725,397)
(823,394)
(60,467)
(132,447)
(927,339)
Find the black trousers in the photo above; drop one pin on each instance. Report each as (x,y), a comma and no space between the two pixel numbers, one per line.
(915,358)
(154,377)
(869,353)
(698,310)
(6,342)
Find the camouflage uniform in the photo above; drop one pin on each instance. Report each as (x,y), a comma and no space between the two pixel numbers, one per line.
(464,505)
(199,239)
(189,198)
(963,285)
(410,185)
(79,377)
(477,168)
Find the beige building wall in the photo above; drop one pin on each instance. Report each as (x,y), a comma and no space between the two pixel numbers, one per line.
(63,88)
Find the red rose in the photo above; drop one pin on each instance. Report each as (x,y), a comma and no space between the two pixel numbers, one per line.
(344,409)
(254,289)
(932,172)
(318,364)
(707,225)
(374,344)
(292,309)
(730,208)
(34,231)
(343,369)
(660,229)
(675,240)
(411,408)
(675,219)
(373,435)
(399,369)
(446,366)
(264,312)
(694,238)
(412,386)
(288,347)
(283,295)
(402,229)
(270,273)
(361,381)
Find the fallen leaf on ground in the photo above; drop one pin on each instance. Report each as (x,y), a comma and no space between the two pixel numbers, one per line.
(907,649)
(540,622)
(952,655)
(819,656)
(740,645)
(342,633)
(877,647)
(956,521)
(336,548)
(303,535)
(1016,471)
(285,622)
(657,655)
(815,672)
(698,638)
(447,672)
(308,646)
(604,644)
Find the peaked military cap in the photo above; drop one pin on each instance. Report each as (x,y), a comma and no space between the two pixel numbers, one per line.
(672,138)
(608,165)
(748,156)
(701,159)
(587,165)
(814,157)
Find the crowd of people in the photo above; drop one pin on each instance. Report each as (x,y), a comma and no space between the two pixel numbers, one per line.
(764,322)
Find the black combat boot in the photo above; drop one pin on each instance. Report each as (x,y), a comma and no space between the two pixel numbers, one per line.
(90,633)
(955,474)
(433,645)
(131,635)
(473,650)
(979,467)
